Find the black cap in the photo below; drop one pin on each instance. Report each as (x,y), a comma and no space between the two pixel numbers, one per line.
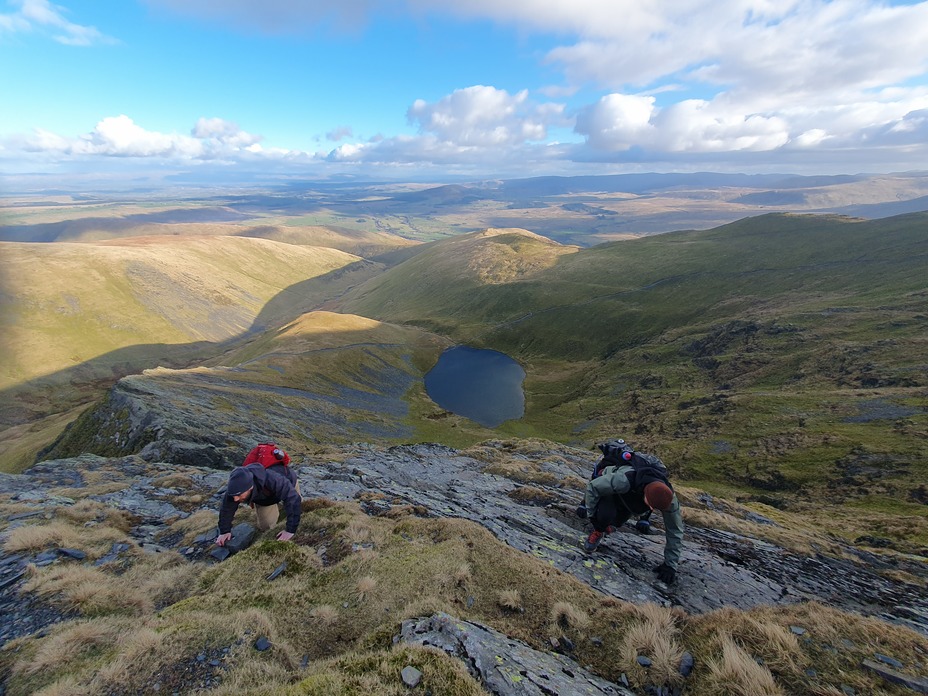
(240,481)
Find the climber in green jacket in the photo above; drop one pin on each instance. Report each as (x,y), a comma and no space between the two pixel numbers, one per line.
(626,483)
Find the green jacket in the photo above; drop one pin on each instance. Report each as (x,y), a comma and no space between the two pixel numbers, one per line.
(614,481)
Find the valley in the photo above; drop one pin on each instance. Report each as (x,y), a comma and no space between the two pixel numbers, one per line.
(776,361)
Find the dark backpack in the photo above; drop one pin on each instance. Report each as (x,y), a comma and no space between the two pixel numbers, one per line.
(618,452)
(648,467)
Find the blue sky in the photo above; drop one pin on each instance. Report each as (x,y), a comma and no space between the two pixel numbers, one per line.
(439,89)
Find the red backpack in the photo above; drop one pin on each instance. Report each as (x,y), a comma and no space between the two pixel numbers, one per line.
(267,454)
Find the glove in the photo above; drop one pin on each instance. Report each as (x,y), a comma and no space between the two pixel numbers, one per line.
(643,527)
(581,512)
(665,573)
(223,538)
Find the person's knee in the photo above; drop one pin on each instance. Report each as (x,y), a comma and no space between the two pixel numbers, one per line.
(267,517)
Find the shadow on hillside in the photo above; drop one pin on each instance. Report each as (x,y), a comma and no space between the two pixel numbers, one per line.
(82,384)
(66,230)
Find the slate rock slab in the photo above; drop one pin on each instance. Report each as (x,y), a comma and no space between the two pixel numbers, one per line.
(917,684)
(242,536)
(505,666)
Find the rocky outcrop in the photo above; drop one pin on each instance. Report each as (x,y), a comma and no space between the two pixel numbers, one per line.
(206,417)
(505,666)
(718,568)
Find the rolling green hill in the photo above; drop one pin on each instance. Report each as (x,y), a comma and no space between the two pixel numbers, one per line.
(77,316)
(780,359)
(783,357)
(323,378)
(461,285)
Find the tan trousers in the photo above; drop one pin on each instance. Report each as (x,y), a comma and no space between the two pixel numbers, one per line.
(269,514)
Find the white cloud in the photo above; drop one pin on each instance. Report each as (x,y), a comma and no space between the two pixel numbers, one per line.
(692,80)
(120,136)
(617,121)
(219,135)
(482,116)
(620,122)
(340,133)
(42,16)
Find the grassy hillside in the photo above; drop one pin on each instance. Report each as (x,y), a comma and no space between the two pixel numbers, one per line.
(74,317)
(461,285)
(69,303)
(782,357)
(324,377)
(360,242)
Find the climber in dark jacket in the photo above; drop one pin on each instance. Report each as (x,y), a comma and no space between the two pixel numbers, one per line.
(263,489)
(626,483)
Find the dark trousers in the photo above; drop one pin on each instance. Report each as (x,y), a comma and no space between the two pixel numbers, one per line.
(610,511)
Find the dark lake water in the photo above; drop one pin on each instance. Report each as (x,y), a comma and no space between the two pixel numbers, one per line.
(483,385)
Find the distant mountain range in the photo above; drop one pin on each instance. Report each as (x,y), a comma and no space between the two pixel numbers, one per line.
(583,210)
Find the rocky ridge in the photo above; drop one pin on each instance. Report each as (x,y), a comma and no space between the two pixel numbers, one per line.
(534,516)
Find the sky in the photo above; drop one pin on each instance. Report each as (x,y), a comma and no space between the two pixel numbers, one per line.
(434,90)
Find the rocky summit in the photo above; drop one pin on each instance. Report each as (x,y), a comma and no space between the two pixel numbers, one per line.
(381,515)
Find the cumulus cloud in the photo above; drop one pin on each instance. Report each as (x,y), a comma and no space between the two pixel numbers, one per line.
(42,16)
(340,133)
(120,136)
(483,116)
(620,122)
(683,81)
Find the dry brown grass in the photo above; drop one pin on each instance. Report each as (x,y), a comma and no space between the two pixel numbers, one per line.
(424,566)
(173,480)
(109,486)
(761,635)
(90,591)
(565,615)
(531,495)
(364,587)
(153,581)
(139,651)
(377,672)
(510,600)
(426,606)
(195,524)
(654,632)
(735,672)
(69,643)
(462,575)
(95,541)
(91,511)
(358,531)
(521,472)
(325,614)
(66,686)
(311,504)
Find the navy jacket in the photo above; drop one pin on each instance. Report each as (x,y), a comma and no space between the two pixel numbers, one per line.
(276,484)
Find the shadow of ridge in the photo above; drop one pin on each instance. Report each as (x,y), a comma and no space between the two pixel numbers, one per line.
(83,384)
(65,230)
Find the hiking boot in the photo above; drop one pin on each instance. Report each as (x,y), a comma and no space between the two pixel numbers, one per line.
(593,541)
